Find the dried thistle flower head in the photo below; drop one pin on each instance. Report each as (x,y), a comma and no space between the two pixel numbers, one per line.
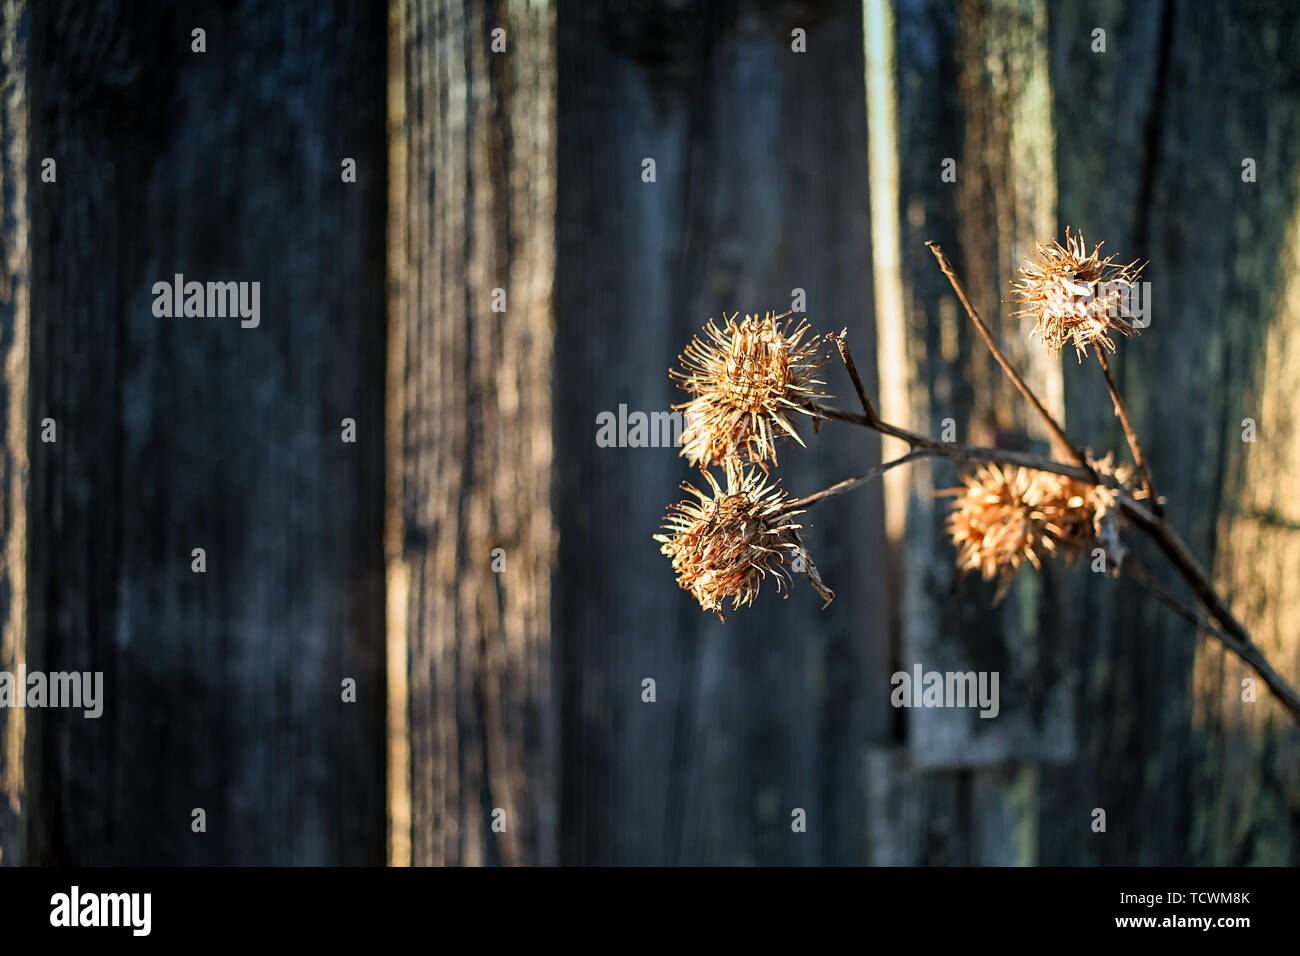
(1075,296)
(1005,517)
(747,378)
(726,541)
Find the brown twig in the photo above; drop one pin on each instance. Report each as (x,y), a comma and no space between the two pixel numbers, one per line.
(1233,634)
(846,356)
(1129,432)
(1228,629)
(1058,433)
(925,446)
(848,484)
(1238,638)
(1139,573)
(1239,643)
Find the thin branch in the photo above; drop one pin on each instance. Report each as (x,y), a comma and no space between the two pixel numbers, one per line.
(928,447)
(1058,433)
(842,343)
(1237,638)
(1165,538)
(1239,644)
(1129,432)
(1146,579)
(1228,630)
(866,421)
(849,484)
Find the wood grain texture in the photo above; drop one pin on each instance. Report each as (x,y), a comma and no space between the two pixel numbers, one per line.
(1148,142)
(471,421)
(760,188)
(1152,162)
(971,82)
(514,677)
(223,689)
(1002,201)
(15,338)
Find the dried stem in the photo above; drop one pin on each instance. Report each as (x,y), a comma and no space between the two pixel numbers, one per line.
(1138,572)
(1238,638)
(1129,433)
(1233,635)
(1058,433)
(1239,643)
(924,446)
(848,484)
(1223,624)
(846,356)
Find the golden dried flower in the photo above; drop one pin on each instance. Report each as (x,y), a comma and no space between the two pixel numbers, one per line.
(747,378)
(1007,516)
(1075,296)
(723,544)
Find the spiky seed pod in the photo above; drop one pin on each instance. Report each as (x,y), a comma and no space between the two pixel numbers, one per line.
(1107,518)
(729,538)
(1076,296)
(1124,475)
(1005,517)
(747,378)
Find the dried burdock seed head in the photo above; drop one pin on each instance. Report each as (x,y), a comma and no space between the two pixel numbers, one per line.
(1075,296)
(1125,476)
(725,541)
(1107,517)
(1005,517)
(747,378)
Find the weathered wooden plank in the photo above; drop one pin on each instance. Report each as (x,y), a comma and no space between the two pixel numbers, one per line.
(969,90)
(1151,139)
(999,133)
(914,817)
(15,337)
(760,188)
(223,689)
(470,422)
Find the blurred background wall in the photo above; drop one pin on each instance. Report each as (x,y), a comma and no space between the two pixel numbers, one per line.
(500,273)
